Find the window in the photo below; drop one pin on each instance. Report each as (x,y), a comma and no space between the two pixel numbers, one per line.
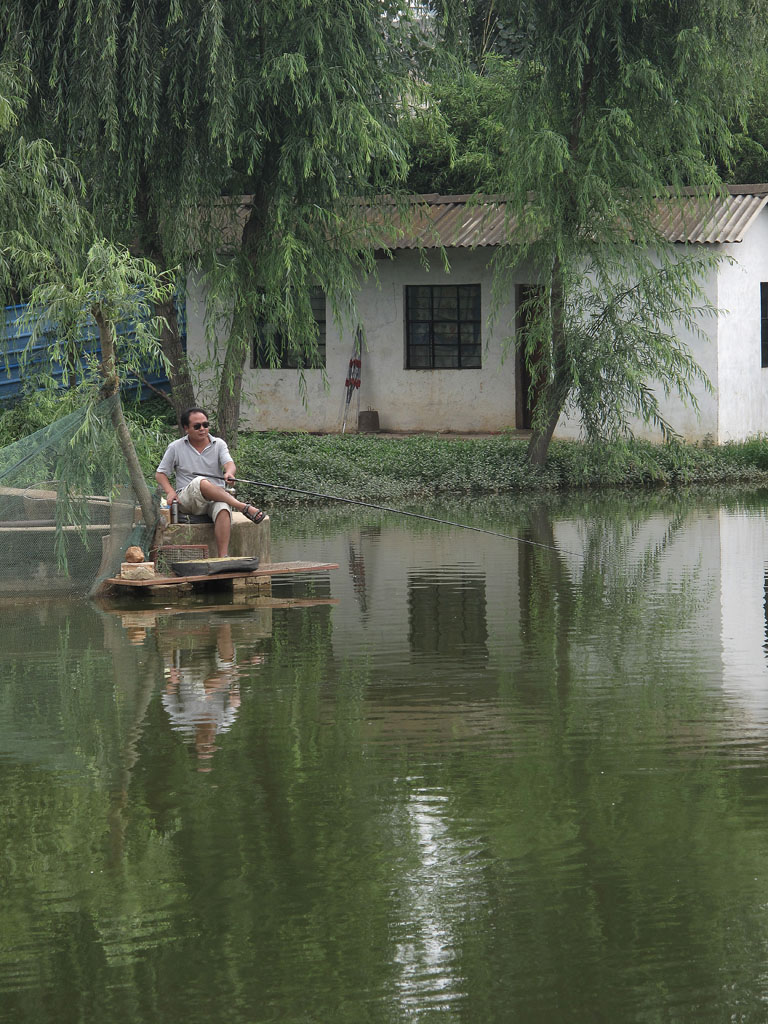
(291,357)
(442,326)
(447,613)
(764,324)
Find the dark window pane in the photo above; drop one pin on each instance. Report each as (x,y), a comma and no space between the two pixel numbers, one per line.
(419,334)
(470,357)
(419,358)
(272,351)
(446,304)
(317,299)
(469,302)
(446,334)
(419,303)
(470,334)
(446,358)
(443,326)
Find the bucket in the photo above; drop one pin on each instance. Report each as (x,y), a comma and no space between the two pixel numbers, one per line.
(368,422)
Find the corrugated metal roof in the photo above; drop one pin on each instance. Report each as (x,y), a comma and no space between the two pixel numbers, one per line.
(726,218)
(471,221)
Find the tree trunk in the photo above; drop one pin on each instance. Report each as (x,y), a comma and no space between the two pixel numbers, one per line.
(231,385)
(110,387)
(555,392)
(230,389)
(182,389)
(538,446)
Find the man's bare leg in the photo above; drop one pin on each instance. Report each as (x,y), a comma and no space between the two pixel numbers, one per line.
(222,529)
(213,492)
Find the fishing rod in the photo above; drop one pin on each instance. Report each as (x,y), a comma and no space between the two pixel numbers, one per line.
(402,512)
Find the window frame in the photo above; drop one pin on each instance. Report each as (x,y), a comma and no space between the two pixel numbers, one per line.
(288,359)
(459,322)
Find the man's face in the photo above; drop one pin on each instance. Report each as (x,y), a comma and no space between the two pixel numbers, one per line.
(198,426)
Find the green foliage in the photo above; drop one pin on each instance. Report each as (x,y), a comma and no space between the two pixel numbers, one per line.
(392,470)
(458,139)
(749,160)
(41,216)
(110,284)
(178,110)
(597,111)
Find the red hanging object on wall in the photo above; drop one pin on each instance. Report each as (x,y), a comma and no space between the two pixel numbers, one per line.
(352,383)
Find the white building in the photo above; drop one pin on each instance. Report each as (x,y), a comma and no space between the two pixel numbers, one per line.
(433,361)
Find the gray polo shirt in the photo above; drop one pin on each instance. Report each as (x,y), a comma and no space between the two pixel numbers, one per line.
(185,462)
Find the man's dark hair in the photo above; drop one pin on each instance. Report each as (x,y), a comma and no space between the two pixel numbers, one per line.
(188,412)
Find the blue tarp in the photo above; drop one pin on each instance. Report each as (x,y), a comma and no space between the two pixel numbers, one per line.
(15,341)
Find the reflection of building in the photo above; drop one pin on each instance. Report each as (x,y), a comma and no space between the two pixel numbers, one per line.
(743,549)
(447,612)
(638,596)
(435,590)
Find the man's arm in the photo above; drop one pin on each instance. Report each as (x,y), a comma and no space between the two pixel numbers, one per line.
(229,471)
(167,486)
(164,470)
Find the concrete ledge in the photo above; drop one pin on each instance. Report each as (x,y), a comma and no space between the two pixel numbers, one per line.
(248,539)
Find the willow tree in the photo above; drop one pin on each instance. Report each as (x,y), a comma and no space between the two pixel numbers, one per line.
(175,106)
(612,105)
(41,213)
(48,254)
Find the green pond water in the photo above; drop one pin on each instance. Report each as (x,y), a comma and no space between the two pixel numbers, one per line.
(459,779)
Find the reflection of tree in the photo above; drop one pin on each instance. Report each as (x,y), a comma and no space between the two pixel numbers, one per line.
(357,572)
(584,854)
(80,879)
(620,867)
(610,588)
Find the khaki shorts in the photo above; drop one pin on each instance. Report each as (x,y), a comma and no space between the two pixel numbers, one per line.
(192,503)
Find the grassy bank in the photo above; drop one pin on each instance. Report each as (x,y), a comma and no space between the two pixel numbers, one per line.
(385,470)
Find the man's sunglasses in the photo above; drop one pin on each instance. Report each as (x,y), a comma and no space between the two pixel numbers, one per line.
(201,426)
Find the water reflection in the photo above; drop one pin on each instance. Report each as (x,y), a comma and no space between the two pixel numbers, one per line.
(202,693)
(470,780)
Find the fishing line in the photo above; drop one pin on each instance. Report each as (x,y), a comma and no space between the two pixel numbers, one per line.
(402,512)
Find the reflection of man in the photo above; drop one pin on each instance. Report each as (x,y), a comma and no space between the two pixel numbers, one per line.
(202,699)
(193,460)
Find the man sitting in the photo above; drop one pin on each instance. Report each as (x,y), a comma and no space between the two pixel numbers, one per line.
(195,460)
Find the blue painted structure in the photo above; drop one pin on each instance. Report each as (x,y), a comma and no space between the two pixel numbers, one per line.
(15,340)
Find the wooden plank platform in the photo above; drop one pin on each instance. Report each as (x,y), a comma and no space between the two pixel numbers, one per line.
(268,569)
(139,614)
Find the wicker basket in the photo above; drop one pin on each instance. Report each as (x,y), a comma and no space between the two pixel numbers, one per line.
(169,553)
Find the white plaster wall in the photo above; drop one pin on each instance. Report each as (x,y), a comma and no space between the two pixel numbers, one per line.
(692,426)
(743,546)
(451,400)
(743,384)
(484,400)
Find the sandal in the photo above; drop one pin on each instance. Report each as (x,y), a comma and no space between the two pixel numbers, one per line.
(256,516)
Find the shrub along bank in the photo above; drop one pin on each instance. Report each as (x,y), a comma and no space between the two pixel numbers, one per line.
(385,469)
(388,469)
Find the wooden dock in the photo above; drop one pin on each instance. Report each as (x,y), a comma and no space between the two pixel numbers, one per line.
(264,571)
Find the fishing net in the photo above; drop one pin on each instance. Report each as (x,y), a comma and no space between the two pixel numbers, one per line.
(68,511)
